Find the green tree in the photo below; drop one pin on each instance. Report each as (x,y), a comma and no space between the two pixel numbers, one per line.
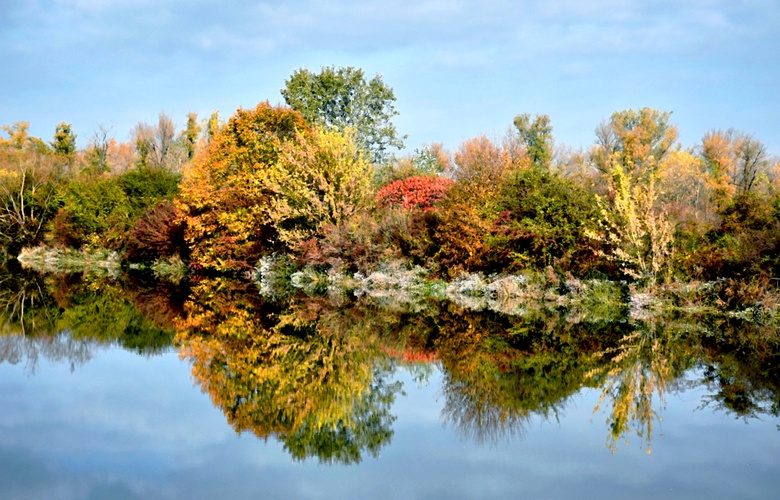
(536,137)
(191,133)
(64,143)
(341,98)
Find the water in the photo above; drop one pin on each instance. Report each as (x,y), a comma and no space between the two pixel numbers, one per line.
(313,399)
(127,426)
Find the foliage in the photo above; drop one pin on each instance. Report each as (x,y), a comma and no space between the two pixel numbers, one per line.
(227,193)
(544,220)
(636,230)
(636,140)
(736,163)
(269,182)
(64,144)
(414,192)
(157,146)
(94,212)
(326,181)
(429,160)
(158,233)
(28,183)
(481,167)
(146,186)
(537,138)
(342,99)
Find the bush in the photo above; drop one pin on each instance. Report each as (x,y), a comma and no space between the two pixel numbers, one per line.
(414,192)
(544,220)
(145,186)
(95,212)
(158,233)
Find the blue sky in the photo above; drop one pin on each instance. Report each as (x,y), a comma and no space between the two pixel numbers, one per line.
(459,69)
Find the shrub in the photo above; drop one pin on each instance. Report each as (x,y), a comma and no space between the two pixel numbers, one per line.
(95,212)
(158,233)
(543,220)
(267,183)
(414,192)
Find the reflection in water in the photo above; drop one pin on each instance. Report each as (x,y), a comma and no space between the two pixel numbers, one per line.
(319,375)
(286,374)
(65,318)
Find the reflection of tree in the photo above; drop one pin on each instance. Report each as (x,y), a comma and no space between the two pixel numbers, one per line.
(27,324)
(741,366)
(643,365)
(500,371)
(285,373)
(63,318)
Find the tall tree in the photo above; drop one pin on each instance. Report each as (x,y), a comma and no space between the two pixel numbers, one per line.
(341,98)
(536,137)
(735,160)
(64,140)
(191,133)
(97,151)
(157,146)
(637,140)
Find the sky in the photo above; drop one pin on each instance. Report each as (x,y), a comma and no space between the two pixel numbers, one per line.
(458,69)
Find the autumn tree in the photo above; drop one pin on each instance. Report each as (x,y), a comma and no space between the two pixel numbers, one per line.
(267,182)
(29,177)
(430,159)
(735,161)
(341,98)
(637,140)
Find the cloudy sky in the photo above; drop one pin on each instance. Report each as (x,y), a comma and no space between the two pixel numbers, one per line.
(459,69)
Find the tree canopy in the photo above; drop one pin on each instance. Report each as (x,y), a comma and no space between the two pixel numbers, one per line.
(342,98)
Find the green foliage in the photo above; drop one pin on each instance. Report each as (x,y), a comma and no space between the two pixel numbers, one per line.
(146,186)
(94,212)
(537,138)
(544,220)
(341,98)
(64,144)
(191,134)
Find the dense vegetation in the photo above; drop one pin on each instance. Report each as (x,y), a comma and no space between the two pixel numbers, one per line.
(316,183)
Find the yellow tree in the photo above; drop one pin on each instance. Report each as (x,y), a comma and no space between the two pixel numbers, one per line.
(638,140)
(266,182)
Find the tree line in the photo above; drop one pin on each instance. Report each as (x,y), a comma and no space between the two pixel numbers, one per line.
(321,181)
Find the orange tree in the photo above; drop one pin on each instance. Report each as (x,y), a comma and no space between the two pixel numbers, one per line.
(266,182)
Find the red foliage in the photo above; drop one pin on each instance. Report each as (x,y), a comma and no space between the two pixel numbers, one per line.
(419,191)
(159,233)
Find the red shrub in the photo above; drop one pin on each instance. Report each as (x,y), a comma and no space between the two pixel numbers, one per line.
(159,233)
(419,191)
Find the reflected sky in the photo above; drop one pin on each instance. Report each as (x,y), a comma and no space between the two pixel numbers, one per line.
(127,426)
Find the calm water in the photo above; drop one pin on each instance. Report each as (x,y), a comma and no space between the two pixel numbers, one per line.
(83,417)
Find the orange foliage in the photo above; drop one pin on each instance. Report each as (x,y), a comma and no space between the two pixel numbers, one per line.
(227,193)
